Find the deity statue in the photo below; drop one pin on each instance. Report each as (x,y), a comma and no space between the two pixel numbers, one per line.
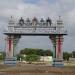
(42,20)
(34,21)
(21,21)
(48,21)
(28,20)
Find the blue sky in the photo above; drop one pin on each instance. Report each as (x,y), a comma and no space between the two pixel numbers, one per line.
(39,8)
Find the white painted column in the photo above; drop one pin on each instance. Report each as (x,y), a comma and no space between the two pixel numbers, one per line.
(9,47)
(59,41)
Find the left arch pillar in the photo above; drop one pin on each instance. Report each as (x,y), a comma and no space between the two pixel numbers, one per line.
(11,43)
(9,46)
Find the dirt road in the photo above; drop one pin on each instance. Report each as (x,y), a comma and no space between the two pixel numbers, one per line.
(32,69)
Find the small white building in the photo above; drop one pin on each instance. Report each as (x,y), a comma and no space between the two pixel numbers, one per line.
(46,59)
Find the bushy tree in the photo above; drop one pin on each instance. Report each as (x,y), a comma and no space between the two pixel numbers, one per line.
(31,58)
(20,57)
(2,55)
(66,56)
(73,54)
(28,51)
(39,52)
(48,53)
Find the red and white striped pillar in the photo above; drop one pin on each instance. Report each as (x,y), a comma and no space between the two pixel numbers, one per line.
(9,47)
(59,41)
(53,40)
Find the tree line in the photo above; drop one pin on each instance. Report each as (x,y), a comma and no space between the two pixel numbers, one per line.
(30,55)
(40,52)
(36,53)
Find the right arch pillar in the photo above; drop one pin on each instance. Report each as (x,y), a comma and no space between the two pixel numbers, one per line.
(57,41)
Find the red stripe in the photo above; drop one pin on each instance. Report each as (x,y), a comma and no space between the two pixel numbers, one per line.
(59,46)
(9,44)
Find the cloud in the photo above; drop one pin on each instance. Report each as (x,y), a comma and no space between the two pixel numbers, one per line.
(41,8)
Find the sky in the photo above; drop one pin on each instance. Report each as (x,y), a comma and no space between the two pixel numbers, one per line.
(39,8)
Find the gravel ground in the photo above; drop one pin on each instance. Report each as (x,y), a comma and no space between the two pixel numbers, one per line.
(33,69)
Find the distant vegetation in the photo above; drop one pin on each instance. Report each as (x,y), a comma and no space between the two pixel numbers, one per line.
(31,58)
(67,55)
(30,55)
(41,52)
(73,54)
(2,56)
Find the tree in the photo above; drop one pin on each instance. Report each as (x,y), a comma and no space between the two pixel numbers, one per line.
(31,58)
(48,53)
(20,57)
(39,52)
(73,54)
(66,56)
(28,51)
(2,55)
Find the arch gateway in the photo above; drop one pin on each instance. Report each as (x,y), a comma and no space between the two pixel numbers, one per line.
(35,27)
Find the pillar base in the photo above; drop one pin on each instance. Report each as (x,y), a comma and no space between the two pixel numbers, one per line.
(10,61)
(58,63)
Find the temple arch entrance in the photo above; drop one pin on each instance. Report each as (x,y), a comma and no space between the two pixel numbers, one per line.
(35,27)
